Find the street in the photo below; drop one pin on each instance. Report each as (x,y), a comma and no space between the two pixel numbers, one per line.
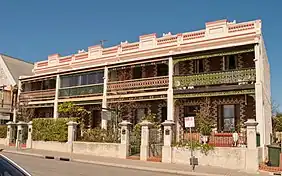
(44,167)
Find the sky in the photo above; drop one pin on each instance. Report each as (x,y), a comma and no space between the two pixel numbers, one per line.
(34,29)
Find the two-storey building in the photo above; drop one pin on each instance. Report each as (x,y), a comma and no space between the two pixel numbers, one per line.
(10,70)
(224,64)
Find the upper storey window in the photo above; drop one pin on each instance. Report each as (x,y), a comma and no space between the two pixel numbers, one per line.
(82,79)
(230,62)
(199,66)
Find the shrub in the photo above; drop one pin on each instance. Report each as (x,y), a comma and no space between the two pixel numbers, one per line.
(194,145)
(3,131)
(51,129)
(99,135)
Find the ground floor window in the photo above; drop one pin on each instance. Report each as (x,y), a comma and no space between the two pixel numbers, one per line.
(138,114)
(227,117)
(96,119)
(190,111)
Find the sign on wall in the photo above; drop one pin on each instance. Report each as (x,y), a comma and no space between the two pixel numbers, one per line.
(189,122)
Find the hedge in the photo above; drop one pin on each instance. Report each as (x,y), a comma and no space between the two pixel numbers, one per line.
(3,131)
(46,129)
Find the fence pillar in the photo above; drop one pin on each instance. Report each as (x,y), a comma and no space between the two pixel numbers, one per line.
(11,132)
(251,133)
(124,144)
(145,134)
(72,127)
(19,139)
(252,159)
(168,135)
(29,135)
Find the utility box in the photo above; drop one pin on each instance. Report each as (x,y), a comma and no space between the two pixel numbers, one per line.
(274,155)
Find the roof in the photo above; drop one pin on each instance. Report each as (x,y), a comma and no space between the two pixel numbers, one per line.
(17,67)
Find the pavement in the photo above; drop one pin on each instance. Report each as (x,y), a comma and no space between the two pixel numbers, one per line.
(121,164)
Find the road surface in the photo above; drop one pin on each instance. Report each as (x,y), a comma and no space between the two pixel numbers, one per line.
(44,167)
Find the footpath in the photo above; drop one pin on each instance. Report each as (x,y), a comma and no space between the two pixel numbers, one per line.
(180,169)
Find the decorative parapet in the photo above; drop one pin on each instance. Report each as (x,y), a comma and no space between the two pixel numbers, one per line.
(157,47)
(230,77)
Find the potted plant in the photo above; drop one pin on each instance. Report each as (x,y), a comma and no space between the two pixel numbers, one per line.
(235,137)
(205,130)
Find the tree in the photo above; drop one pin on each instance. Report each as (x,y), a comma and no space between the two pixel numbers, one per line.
(204,121)
(70,110)
(274,107)
(24,112)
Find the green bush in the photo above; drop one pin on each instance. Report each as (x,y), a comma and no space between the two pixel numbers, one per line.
(3,131)
(100,135)
(194,145)
(46,129)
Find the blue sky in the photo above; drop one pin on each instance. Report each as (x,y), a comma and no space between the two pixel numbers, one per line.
(33,29)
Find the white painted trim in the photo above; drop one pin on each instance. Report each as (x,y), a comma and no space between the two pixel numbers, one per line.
(7,72)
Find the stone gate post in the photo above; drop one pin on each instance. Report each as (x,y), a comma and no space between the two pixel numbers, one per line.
(145,134)
(168,136)
(252,160)
(11,127)
(19,140)
(124,144)
(72,128)
(29,135)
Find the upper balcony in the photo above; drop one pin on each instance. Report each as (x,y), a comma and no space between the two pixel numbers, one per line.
(80,91)
(147,77)
(217,78)
(216,70)
(137,85)
(82,84)
(38,95)
(38,90)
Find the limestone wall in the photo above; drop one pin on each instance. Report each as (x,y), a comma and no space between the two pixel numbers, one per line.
(225,157)
(98,149)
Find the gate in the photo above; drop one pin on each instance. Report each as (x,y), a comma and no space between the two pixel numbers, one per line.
(14,136)
(134,142)
(155,143)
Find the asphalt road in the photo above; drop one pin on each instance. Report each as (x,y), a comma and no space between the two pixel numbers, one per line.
(44,167)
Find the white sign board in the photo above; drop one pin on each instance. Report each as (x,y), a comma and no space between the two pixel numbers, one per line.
(189,122)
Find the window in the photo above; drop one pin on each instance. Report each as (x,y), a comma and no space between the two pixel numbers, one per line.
(65,82)
(84,79)
(190,111)
(137,72)
(228,118)
(199,66)
(162,69)
(230,62)
(113,75)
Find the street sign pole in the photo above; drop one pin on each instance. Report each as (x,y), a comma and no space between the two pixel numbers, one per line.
(193,166)
(189,123)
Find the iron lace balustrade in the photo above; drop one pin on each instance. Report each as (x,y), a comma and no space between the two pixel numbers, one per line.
(135,84)
(217,78)
(38,95)
(84,90)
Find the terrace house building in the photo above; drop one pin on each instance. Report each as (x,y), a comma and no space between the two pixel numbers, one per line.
(225,63)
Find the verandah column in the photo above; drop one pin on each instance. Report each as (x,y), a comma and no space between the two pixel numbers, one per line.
(104,101)
(170,103)
(17,101)
(56,97)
